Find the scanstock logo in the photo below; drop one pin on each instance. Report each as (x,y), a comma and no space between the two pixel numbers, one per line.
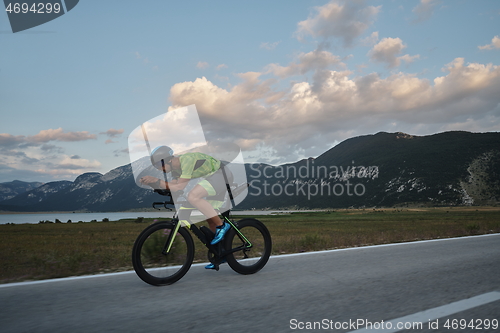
(26,14)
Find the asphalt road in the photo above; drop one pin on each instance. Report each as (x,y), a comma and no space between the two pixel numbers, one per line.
(335,287)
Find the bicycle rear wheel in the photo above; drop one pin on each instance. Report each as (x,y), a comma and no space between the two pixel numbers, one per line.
(151,263)
(254,246)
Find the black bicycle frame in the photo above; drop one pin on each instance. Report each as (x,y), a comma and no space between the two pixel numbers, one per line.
(184,217)
(216,249)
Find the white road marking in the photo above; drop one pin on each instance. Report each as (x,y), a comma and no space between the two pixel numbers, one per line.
(16,284)
(427,316)
(383,245)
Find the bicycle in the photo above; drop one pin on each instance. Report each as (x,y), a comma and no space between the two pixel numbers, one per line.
(164,251)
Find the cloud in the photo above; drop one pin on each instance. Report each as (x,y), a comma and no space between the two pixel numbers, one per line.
(306,62)
(483,124)
(408,58)
(495,44)
(36,158)
(8,173)
(386,51)
(202,65)
(424,10)
(370,40)
(77,164)
(112,133)
(51,148)
(221,78)
(59,135)
(8,140)
(21,166)
(345,20)
(120,152)
(309,117)
(269,46)
(221,66)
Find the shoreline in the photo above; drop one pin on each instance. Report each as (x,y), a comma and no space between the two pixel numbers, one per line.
(412,209)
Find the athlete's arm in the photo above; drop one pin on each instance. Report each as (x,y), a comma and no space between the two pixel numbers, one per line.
(174,185)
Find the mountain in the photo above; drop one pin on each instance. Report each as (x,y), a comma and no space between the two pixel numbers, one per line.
(384,169)
(11,189)
(114,191)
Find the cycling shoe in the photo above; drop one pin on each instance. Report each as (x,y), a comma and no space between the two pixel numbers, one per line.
(212,266)
(219,234)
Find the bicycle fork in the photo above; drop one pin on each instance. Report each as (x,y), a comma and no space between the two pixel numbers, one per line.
(171,238)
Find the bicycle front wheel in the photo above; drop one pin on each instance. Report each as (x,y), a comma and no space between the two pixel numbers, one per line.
(253,246)
(151,261)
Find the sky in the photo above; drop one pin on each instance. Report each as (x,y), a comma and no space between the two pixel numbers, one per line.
(285,80)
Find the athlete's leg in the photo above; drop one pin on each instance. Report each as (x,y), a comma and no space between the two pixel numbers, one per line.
(196,197)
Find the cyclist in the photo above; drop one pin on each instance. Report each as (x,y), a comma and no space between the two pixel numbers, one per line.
(186,167)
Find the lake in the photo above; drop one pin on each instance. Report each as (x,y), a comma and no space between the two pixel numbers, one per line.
(114,216)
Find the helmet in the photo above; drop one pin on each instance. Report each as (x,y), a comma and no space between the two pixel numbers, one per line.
(161,154)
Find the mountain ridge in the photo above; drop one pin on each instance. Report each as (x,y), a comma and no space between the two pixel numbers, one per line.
(11,189)
(382,169)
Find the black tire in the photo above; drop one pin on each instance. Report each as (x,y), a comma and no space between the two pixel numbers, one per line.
(156,268)
(253,259)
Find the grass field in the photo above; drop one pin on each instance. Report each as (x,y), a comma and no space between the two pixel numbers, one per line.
(51,250)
